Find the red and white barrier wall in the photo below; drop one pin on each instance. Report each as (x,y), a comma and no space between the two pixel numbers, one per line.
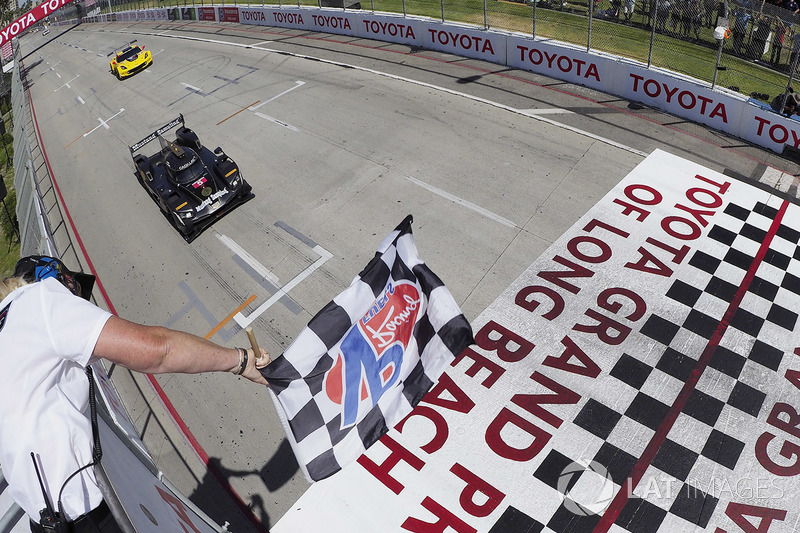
(679,95)
(682,96)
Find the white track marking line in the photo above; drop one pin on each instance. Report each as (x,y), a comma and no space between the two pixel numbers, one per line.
(66,84)
(103,123)
(192,88)
(247,258)
(276,121)
(297,84)
(460,201)
(534,112)
(245,321)
(421,84)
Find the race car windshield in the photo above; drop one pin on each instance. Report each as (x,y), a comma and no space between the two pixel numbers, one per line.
(129,54)
(192,173)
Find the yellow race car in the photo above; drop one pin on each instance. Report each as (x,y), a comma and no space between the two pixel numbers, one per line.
(130,60)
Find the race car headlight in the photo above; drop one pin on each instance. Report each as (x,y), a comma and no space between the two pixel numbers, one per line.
(185,214)
(123,67)
(235,180)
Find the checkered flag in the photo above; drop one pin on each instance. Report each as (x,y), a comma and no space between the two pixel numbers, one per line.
(367,358)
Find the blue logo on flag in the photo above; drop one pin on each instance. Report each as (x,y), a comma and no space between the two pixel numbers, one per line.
(371,354)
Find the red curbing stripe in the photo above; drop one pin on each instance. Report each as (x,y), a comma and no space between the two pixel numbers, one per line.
(66,211)
(649,453)
(161,394)
(204,456)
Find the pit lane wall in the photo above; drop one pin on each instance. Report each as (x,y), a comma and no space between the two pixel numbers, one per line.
(681,96)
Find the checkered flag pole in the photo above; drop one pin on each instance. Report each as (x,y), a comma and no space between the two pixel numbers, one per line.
(367,358)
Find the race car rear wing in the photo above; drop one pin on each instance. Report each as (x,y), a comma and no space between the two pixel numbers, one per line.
(114,51)
(166,127)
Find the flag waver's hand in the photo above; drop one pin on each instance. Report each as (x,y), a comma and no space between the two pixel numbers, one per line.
(251,370)
(263,359)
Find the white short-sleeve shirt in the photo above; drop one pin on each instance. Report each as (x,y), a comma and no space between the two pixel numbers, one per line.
(47,336)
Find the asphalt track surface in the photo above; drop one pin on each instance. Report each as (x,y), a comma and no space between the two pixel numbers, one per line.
(340,138)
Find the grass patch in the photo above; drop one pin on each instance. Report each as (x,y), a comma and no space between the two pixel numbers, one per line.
(9,241)
(9,244)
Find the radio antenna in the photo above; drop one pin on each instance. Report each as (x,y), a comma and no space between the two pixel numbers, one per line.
(41,484)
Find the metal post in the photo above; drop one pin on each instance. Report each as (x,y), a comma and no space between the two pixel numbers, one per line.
(442,2)
(653,15)
(591,17)
(534,16)
(404,8)
(485,17)
(796,54)
(719,58)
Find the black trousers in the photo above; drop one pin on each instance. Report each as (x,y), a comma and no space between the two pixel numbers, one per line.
(98,520)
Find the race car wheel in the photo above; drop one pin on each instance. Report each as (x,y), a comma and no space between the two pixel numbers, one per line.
(116,73)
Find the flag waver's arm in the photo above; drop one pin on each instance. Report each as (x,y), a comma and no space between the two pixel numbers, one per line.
(158,350)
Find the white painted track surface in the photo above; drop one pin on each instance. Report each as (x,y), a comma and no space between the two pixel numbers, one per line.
(494,165)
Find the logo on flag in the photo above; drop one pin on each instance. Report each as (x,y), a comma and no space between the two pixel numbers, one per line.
(367,358)
(371,353)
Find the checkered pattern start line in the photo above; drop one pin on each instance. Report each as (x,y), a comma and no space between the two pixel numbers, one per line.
(641,376)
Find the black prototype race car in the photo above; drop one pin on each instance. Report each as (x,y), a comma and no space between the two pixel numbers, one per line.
(193,186)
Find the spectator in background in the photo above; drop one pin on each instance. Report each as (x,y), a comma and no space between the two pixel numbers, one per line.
(627,9)
(694,16)
(791,6)
(709,8)
(741,20)
(794,36)
(616,5)
(758,43)
(792,105)
(676,14)
(778,33)
(662,14)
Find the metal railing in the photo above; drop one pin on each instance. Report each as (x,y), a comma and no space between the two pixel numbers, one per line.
(41,223)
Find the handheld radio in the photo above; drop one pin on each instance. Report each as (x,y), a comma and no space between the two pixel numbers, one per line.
(49,519)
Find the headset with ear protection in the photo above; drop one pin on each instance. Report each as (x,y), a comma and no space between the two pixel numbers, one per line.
(38,267)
